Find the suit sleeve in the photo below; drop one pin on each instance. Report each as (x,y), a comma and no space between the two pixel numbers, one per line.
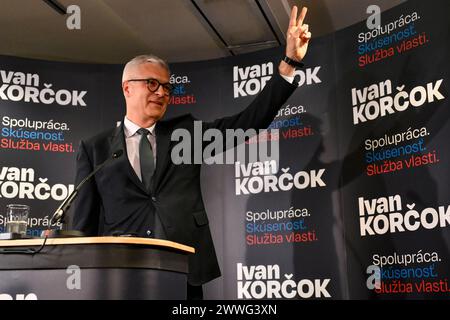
(261,112)
(88,203)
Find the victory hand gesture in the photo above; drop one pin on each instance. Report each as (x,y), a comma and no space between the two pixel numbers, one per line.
(298,35)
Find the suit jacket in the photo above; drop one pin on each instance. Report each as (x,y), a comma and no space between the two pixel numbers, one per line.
(116,200)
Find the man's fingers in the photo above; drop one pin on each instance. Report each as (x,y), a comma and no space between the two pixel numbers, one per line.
(293,20)
(302,16)
(304,28)
(299,32)
(307,36)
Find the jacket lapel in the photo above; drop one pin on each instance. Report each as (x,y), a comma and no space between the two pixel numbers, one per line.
(118,143)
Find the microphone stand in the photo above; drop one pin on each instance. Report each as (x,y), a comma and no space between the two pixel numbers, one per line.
(59,215)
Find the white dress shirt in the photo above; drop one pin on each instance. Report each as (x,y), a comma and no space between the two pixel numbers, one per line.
(132,138)
(288,78)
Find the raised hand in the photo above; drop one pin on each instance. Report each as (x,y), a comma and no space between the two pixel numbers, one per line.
(298,35)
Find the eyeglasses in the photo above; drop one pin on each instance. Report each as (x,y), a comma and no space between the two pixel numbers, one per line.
(153,85)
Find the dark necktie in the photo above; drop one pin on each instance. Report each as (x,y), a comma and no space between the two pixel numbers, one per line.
(146,158)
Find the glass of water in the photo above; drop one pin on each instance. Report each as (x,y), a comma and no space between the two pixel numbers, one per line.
(17,218)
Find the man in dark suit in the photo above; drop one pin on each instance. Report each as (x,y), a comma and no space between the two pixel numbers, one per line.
(149,195)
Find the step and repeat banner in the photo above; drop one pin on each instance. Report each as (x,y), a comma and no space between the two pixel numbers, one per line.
(356,207)
(393,127)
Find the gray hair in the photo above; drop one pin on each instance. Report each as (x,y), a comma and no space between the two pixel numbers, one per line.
(146,58)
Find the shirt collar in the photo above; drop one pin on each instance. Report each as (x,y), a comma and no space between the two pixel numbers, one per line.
(131,128)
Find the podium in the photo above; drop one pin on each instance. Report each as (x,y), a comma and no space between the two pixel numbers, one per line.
(94,268)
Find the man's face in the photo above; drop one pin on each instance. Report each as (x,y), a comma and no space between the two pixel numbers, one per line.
(144,105)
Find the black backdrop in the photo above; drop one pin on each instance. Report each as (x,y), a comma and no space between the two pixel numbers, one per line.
(370,122)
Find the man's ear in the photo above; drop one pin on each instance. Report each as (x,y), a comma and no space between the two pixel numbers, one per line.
(126,89)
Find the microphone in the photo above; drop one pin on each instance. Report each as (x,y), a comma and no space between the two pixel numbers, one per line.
(60,213)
